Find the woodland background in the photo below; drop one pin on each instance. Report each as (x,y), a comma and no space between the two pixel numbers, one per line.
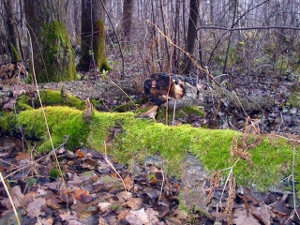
(249,47)
(230,37)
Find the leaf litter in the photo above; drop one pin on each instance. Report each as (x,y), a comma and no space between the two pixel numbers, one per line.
(93,193)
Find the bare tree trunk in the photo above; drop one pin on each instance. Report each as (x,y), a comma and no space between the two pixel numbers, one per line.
(162,11)
(128,8)
(73,21)
(93,36)
(155,36)
(52,50)
(175,67)
(11,26)
(230,36)
(191,35)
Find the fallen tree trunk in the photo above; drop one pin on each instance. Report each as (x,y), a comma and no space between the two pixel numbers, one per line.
(99,89)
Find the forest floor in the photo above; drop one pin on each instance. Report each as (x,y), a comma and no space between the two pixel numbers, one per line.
(93,192)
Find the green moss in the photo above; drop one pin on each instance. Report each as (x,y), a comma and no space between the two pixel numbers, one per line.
(58,54)
(101,122)
(271,162)
(99,46)
(212,147)
(50,98)
(128,137)
(8,122)
(62,121)
(144,138)
(16,56)
(293,99)
(95,52)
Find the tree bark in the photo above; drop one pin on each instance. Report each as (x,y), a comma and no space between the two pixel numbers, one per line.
(128,8)
(191,35)
(12,32)
(52,51)
(93,36)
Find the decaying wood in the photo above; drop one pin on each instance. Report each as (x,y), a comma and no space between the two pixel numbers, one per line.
(99,89)
(82,89)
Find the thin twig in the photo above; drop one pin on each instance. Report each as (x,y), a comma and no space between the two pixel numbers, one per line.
(240,103)
(162,184)
(174,112)
(40,159)
(293,184)
(112,166)
(250,28)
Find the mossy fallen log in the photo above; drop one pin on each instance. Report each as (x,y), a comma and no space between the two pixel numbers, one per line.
(128,138)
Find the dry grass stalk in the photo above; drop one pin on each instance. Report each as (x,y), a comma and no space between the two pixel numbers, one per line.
(214,181)
(10,199)
(228,212)
(44,114)
(112,166)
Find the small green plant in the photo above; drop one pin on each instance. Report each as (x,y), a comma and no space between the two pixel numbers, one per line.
(54,173)
(78,76)
(104,73)
(115,207)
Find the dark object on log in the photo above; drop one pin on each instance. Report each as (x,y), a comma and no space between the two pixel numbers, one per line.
(161,86)
(193,93)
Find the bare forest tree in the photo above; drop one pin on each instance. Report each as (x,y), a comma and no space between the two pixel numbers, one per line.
(93,36)
(233,37)
(191,34)
(128,7)
(74,21)
(52,51)
(11,27)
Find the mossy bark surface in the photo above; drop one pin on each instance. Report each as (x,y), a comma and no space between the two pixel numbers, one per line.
(93,37)
(54,58)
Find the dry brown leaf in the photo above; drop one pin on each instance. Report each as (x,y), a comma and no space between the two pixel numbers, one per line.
(53,203)
(124,196)
(83,196)
(17,198)
(79,154)
(143,217)
(114,175)
(104,206)
(22,156)
(241,217)
(263,214)
(70,217)
(173,221)
(135,203)
(34,208)
(122,215)
(128,183)
(47,221)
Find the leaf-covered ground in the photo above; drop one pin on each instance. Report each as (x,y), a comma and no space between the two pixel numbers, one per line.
(92,192)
